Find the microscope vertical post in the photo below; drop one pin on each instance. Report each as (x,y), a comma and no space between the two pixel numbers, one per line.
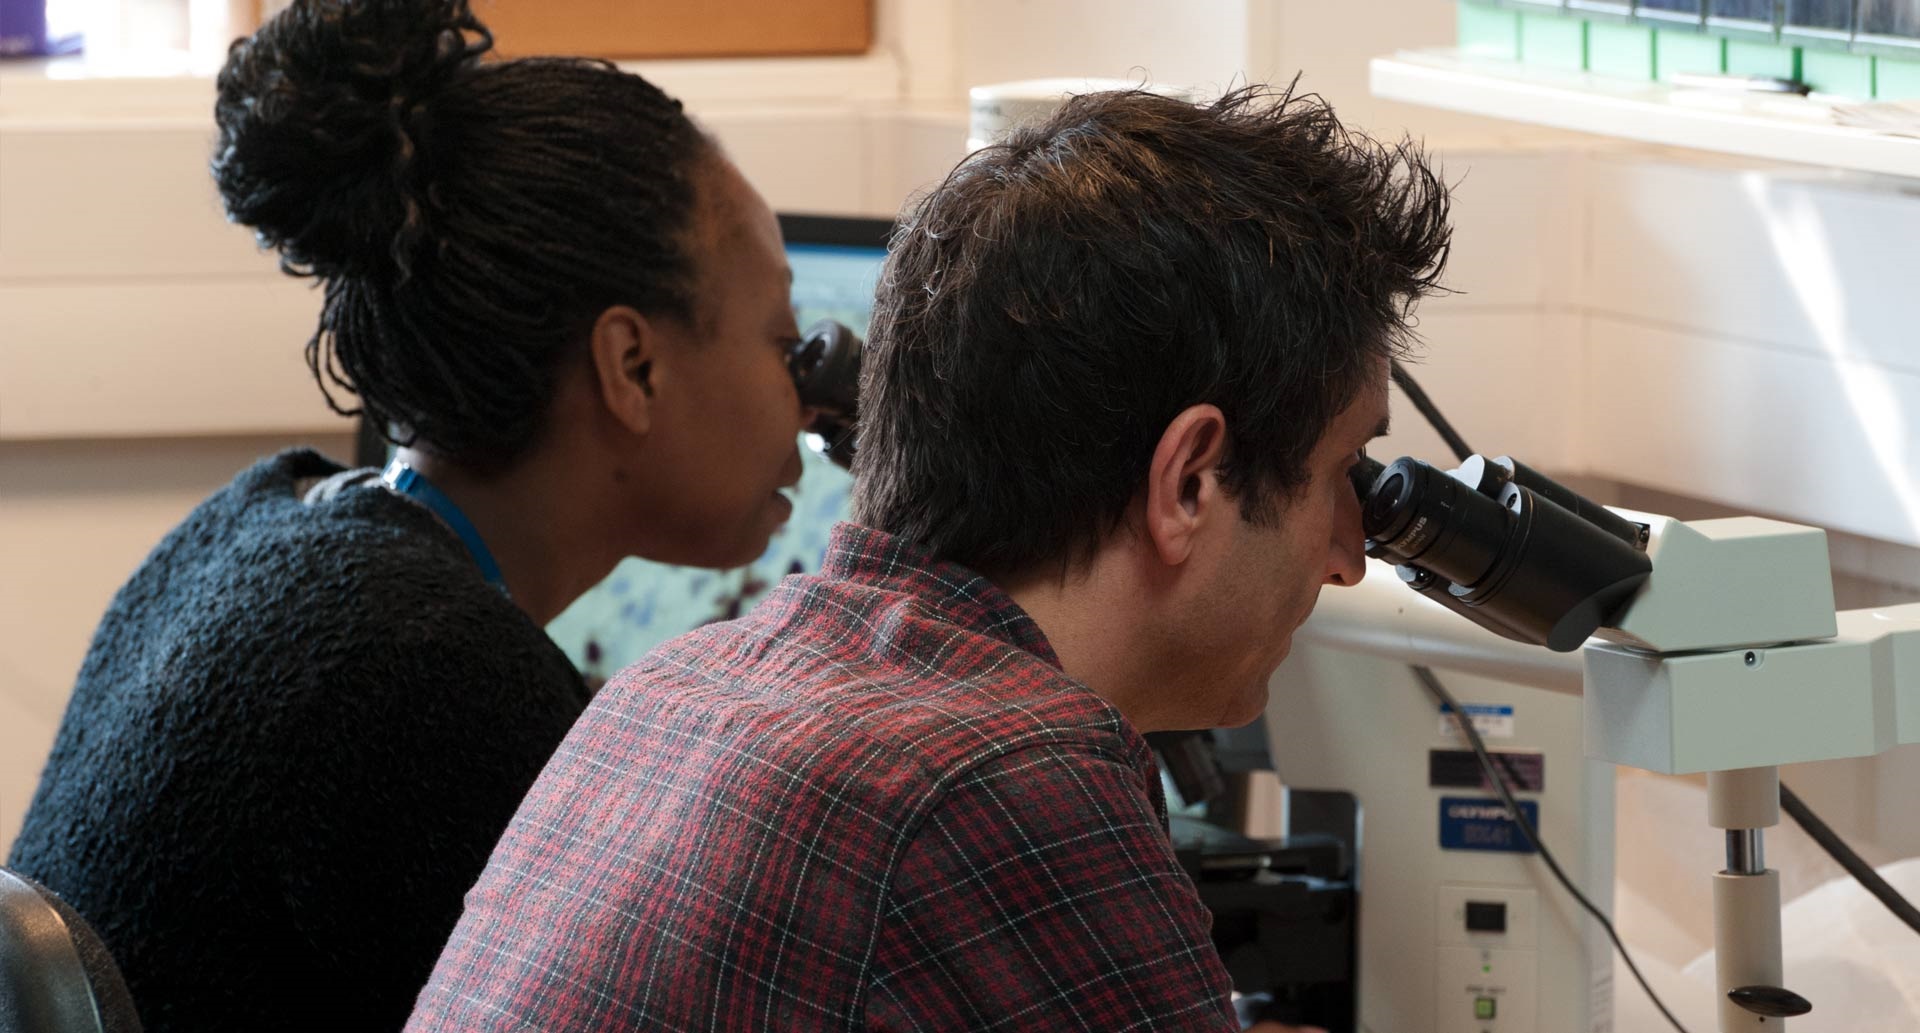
(1746,896)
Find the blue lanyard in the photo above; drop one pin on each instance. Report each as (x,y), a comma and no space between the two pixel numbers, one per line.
(400,477)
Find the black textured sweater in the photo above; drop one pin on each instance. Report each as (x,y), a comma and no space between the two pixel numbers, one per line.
(294,741)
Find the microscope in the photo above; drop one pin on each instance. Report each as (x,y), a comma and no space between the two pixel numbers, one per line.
(1707,647)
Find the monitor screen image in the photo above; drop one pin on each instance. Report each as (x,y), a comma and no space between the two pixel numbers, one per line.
(836,263)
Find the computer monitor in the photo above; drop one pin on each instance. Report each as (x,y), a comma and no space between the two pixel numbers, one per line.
(836,263)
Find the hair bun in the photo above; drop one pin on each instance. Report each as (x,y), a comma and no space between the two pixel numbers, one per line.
(321,118)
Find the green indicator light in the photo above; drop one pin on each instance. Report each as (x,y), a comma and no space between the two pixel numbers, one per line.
(1486,968)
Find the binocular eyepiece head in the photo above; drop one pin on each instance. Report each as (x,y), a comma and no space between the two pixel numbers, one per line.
(825,365)
(1503,545)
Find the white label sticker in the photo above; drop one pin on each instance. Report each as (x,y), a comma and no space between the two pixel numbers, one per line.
(1491,720)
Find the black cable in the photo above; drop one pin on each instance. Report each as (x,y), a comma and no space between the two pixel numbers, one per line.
(1839,851)
(1499,783)
(1425,405)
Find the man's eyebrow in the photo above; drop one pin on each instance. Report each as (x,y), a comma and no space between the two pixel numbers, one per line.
(1384,427)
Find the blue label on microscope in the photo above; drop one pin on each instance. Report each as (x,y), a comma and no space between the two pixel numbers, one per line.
(1474,823)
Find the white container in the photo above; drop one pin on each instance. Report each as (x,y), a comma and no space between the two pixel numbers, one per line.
(996,109)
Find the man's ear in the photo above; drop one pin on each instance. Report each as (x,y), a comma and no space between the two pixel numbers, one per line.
(624,346)
(1183,481)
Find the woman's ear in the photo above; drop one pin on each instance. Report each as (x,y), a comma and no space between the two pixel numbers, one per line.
(1183,481)
(624,347)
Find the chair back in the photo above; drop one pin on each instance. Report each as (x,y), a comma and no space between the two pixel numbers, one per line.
(56,976)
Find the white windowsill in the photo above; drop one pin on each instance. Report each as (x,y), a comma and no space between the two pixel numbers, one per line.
(1779,128)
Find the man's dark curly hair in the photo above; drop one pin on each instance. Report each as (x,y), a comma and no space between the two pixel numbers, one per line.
(1048,309)
(469,220)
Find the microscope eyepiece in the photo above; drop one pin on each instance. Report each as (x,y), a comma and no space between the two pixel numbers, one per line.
(1418,514)
(1383,503)
(1362,474)
(825,364)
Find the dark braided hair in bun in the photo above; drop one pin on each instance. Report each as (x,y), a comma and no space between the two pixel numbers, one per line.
(469,220)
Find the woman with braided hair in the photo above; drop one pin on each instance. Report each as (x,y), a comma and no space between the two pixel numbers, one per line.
(308,716)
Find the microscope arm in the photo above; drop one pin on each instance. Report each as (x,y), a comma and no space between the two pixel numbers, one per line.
(1730,656)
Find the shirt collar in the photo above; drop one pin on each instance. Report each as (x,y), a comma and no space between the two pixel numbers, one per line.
(885,561)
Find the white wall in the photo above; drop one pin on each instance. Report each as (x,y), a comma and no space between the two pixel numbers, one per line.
(147,352)
(1204,43)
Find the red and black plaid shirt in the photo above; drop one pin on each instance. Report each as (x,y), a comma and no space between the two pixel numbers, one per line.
(874,803)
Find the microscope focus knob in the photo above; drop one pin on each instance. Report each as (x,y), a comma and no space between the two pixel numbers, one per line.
(1771,1001)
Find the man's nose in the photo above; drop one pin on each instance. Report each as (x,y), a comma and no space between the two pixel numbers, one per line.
(1347,549)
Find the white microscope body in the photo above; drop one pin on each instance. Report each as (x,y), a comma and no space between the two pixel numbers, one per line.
(1729,660)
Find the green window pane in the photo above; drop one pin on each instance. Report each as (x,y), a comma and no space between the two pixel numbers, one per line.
(1744,10)
(1820,14)
(1896,18)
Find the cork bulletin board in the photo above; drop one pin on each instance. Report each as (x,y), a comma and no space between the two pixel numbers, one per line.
(678,28)
(622,29)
